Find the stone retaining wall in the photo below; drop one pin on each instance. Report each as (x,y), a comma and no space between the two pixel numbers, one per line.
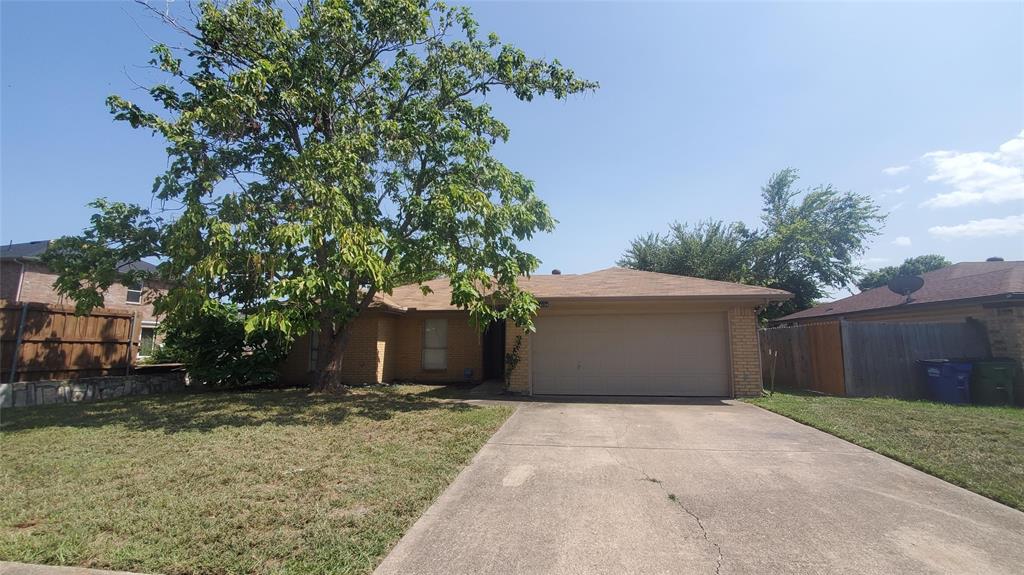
(32,393)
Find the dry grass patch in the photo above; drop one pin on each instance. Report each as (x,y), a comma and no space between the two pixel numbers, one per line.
(260,482)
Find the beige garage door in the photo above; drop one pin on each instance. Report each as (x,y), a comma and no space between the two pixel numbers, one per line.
(667,354)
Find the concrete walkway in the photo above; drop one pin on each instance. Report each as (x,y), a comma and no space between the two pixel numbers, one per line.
(11,568)
(703,487)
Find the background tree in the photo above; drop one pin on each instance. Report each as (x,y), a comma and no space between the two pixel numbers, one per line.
(806,245)
(709,249)
(910,267)
(321,156)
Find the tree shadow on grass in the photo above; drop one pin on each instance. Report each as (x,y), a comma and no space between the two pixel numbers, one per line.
(207,411)
(449,391)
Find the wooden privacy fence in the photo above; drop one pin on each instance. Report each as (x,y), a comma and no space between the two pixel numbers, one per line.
(864,358)
(806,357)
(42,342)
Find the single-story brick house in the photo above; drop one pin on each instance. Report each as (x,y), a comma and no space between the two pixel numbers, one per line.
(989,292)
(610,332)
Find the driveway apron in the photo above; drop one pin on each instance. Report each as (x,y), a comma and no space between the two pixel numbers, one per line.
(713,486)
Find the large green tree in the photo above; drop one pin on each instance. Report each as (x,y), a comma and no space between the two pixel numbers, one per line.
(910,267)
(807,244)
(321,152)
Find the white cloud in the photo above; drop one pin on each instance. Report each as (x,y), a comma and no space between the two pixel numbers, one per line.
(1008,226)
(898,206)
(893,170)
(978,177)
(901,241)
(893,192)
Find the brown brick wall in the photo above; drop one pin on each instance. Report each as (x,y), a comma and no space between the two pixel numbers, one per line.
(37,286)
(744,352)
(1006,331)
(387,347)
(465,349)
(365,358)
(10,277)
(362,363)
(519,378)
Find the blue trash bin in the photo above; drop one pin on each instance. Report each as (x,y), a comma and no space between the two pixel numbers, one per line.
(947,381)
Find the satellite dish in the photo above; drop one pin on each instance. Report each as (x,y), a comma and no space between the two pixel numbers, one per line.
(905,285)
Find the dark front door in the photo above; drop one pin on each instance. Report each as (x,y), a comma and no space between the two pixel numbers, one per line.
(494,350)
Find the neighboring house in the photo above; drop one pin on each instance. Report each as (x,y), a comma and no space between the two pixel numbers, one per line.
(610,332)
(25,279)
(990,292)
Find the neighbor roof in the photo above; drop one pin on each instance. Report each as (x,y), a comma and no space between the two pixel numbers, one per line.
(611,283)
(963,281)
(35,250)
(27,250)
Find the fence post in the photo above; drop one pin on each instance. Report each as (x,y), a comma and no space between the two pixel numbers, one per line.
(17,343)
(131,342)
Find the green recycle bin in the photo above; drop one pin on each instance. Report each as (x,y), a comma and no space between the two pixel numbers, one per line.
(992,381)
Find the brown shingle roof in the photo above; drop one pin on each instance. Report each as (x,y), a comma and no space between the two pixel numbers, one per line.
(611,283)
(967,280)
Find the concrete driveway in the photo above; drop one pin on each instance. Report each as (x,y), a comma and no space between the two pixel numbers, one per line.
(703,487)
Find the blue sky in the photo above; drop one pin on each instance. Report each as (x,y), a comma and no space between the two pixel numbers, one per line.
(920,105)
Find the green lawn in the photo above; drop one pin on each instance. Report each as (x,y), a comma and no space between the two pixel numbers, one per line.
(978,448)
(256,482)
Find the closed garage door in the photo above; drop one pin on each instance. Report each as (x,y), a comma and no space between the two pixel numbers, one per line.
(666,354)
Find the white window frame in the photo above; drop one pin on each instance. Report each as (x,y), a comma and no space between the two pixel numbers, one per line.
(427,363)
(147,325)
(130,291)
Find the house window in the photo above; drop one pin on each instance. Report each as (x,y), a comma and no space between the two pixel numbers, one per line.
(147,341)
(134,293)
(435,344)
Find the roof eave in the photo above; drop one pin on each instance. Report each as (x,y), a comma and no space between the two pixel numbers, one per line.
(20,258)
(378,305)
(915,305)
(698,298)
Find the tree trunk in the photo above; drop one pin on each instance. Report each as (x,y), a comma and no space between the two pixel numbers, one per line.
(330,358)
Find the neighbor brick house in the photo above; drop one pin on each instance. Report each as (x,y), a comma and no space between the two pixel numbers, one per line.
(610,332)
(25,279)
(990,292)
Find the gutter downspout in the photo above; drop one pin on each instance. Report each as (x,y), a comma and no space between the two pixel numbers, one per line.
(21,279)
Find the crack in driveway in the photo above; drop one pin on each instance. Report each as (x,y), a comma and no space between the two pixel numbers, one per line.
(674,499)
(703,530)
